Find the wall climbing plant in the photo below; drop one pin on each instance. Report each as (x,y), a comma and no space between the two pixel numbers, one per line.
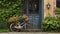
(9,8)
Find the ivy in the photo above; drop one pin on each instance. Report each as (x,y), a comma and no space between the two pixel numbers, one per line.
(9,8)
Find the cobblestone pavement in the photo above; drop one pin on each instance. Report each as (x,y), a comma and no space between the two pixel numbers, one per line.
(29,33)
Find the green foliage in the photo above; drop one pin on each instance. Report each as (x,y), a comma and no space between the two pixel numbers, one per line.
(4,30)
(51,24)
(57,10)
(9,8)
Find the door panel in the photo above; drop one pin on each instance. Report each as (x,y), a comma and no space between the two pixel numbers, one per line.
(33,13)
(34,20)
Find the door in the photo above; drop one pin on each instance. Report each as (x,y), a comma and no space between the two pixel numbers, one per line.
(33,8)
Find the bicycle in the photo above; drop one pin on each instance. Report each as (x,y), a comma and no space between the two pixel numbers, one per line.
(20,25)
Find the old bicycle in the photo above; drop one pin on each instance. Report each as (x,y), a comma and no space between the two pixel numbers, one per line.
(21,25)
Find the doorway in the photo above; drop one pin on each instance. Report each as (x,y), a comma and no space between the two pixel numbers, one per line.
(34,10)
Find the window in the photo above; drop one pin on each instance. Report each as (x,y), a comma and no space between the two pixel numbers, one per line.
(57,11)
(33,6)
(58,3)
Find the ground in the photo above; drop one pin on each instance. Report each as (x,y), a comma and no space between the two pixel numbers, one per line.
(29,33)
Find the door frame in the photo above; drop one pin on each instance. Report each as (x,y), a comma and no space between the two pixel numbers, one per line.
(41,12)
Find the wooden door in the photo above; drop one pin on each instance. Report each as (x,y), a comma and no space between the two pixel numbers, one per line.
(33,8)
